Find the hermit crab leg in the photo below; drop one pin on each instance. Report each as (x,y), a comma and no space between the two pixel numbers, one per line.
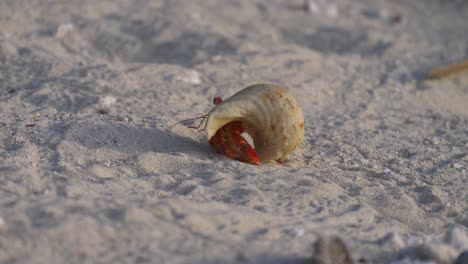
(199,125)
(203,117)
(217,100)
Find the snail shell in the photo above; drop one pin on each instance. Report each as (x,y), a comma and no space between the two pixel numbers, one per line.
(273,117)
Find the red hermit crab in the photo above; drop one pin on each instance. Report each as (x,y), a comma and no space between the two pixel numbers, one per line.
(267,113)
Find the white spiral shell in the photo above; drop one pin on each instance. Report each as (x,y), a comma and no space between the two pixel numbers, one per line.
(272,114)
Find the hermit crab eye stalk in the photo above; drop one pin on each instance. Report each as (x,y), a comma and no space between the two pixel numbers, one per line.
(217,100)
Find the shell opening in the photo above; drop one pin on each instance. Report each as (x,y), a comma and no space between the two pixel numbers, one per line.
(235,141)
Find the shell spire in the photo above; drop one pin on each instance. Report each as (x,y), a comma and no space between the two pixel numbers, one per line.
(268,113)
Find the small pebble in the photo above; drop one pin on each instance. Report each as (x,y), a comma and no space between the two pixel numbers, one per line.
(103,111)
(123,119)
(393,240)
(331,250)
(327,7)
(64,30)
(107,101)
(296,232)
(457,238)
(434,252)
(190,76)
(371,13)
(396,19)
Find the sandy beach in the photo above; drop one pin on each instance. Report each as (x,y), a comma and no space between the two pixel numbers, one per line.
(90,173)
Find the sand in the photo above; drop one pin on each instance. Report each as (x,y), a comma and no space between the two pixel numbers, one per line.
(89,172)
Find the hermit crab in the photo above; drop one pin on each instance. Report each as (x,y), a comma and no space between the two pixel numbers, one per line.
(266,112)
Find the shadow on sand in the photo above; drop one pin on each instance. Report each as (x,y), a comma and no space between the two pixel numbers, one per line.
(132,140)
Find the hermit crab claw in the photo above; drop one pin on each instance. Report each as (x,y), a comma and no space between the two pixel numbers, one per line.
(268,113)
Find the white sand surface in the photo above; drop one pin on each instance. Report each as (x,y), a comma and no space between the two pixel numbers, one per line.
(89,172)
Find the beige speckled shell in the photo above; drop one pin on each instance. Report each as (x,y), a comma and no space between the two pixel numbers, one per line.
(271,111)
